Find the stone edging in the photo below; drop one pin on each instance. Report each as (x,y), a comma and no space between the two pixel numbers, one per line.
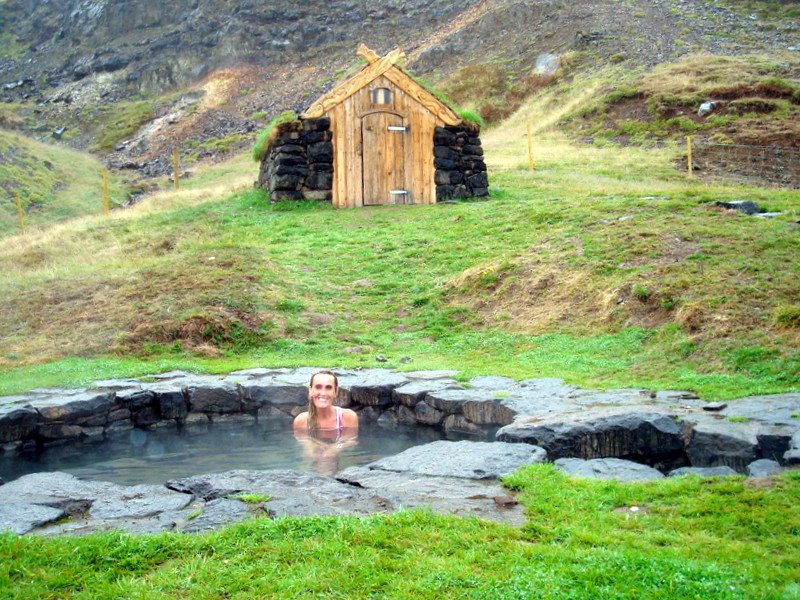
(666,429)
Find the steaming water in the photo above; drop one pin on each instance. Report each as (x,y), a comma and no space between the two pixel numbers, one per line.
(157,456)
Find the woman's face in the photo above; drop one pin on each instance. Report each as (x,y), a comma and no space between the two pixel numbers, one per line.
(323,390)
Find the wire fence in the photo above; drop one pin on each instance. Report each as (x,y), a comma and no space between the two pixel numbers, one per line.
(765,166)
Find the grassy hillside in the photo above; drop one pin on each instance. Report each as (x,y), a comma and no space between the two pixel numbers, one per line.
(588,270)
(54,183)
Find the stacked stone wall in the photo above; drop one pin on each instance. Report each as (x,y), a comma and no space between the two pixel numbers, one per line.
(299,162)
(664,429)
(460,168)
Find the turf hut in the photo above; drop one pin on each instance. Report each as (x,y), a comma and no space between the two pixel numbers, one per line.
(379,138)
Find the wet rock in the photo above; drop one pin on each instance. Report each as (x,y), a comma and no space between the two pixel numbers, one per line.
(373,388)
(220,398)
(17,422)
(291,493)
(108,502)
(647,436)
(464,459)
(74,408)
(792,455)
(722,443)
(703,471)
(448,495)
(415,391)
(607,468)
(764,468)
(218,514)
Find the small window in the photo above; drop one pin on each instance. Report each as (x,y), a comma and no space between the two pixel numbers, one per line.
(381,96)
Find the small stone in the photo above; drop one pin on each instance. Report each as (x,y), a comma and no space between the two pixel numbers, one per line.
(505,501)
(380,358)
(715,406)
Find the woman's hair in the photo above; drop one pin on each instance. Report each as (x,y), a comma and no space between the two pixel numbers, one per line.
(312,422)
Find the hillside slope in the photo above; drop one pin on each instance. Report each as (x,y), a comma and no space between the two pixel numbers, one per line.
(134,81)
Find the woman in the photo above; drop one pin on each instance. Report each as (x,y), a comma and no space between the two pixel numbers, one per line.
(325,430)
(322,415)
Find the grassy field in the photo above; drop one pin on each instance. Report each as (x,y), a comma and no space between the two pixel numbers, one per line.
(586,269)
(604,266)
(684,538)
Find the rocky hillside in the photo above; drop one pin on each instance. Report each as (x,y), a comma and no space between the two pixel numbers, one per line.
(134,80)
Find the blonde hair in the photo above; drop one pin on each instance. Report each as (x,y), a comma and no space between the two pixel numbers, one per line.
(313,420)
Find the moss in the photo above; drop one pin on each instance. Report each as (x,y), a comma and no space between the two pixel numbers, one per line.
(268,134)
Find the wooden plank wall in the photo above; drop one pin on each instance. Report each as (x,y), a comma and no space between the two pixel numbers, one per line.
(346,128)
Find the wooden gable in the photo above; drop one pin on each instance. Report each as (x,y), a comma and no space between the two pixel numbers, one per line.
(375,68)
(382,150)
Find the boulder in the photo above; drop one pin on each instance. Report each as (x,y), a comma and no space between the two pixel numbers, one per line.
(764,467)
(607,468)
(449,495)
(647,436)
(464,459)
(74,408)
(17,422)
(415,391)
(703,471)
(219,398)
(372,388)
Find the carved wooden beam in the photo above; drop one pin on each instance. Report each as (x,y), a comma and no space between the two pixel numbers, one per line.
(352,85)
(423,96)
(367,54)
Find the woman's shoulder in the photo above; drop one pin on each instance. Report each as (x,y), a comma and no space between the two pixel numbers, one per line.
(349,417)
(301,421)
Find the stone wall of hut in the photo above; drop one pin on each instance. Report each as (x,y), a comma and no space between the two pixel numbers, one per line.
(460,168)
(299,162)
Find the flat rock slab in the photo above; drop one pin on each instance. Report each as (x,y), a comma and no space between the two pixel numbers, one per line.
(607,468)
(465,459)
(449,495)
(81,500)
(290,493)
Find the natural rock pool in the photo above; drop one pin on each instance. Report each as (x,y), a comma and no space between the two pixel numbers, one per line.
(156,456)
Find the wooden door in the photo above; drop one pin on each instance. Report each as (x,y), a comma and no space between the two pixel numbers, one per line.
(383,137)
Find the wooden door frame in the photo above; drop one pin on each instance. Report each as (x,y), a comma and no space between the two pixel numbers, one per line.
(404,119)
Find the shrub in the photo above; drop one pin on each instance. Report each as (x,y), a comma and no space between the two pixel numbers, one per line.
(682,123)
(491,112)
(787,316)
(474,82)
(775,87)
(756,105)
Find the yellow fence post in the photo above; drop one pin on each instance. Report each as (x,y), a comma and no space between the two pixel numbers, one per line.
(689,156)
(105,191)
(19,213)
(530,149)
(176,161)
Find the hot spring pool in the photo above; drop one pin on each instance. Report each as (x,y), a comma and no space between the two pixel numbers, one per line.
(156,456)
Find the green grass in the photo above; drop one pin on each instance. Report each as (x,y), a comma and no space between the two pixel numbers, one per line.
(691,538)
(123,121)
(557,276)
(54,184)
